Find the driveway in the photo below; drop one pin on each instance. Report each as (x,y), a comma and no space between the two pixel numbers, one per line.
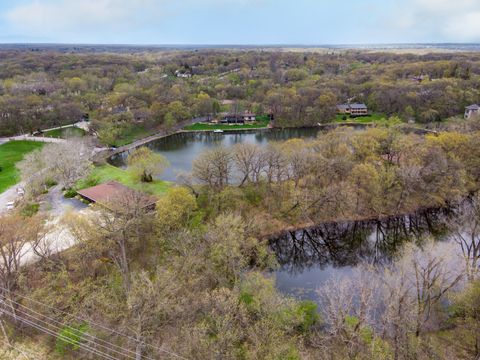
(58,204)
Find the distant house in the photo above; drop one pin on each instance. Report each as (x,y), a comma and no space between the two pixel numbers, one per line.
(343,109)
(249,116)
(232,119)
(419,78)
(112,193)
(353,109)
(182,74)
(471,111)
(238,118)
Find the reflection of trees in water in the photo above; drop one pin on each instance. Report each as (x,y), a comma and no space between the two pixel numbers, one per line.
(346,244)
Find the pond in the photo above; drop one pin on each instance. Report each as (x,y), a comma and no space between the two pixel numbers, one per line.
(182,148)
(309,257)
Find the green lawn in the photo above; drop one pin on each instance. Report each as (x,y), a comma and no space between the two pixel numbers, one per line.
(362,119)
(262,122)
(10,154)
(131,135)
(104,173)
(65,133)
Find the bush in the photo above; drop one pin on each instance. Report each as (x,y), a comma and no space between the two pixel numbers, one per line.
(28,210)
(70,337)
(70,193)
(50,182)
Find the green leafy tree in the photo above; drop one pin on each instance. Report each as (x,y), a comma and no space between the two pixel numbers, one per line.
(145,164)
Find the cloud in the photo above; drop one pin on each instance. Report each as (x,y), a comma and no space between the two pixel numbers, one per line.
(103,19)
(446,20)
(52,16)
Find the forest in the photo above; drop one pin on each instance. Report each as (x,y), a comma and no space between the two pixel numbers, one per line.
(143,92)
(194,277)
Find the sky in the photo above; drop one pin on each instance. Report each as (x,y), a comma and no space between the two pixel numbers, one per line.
(255,22)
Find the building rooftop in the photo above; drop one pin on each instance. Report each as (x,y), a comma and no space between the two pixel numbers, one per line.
(112,191)
(473,107)
(358,106)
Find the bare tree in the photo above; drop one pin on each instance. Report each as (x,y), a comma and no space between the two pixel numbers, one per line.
(214,167)
(121,225)
(249,161)
(17,236)
(466,233)
(65,163)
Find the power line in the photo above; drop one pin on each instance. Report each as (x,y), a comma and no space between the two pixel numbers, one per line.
(100,326)
(110,346)
(59,336)
(72,332)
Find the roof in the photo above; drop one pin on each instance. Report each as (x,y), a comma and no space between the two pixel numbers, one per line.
(473,107)
(227,102)
(113,191)
(358,106)
(351,106)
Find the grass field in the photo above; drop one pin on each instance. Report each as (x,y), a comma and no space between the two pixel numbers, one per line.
(65,133)
(133,134)
(10,154)
(261,123)
(104,173)
(362,119)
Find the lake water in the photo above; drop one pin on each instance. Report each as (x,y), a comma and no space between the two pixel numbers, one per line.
(308,258)
(182,148)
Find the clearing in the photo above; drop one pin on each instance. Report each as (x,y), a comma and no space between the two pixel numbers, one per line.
(360,119)
(11,153)
(104,173)
(65,133)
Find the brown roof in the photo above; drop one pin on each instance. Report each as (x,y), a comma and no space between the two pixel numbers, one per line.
(113,191)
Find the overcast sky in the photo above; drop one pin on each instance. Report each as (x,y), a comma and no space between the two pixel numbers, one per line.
(312,22)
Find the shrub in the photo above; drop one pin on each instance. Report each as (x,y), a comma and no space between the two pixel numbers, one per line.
(70,193)
(50,182)
(70,337)
(30,209)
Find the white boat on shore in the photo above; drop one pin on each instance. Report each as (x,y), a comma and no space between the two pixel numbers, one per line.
(218,131)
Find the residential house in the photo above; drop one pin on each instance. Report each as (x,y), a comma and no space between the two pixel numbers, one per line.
(353,109)
(232,119)
(471,111)
(238,118)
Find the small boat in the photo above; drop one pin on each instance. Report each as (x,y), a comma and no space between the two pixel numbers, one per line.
(217,131)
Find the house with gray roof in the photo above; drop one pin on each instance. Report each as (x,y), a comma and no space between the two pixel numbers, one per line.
(353,109)
(471,111)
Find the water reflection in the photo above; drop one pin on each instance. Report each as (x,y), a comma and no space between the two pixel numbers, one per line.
(307,258)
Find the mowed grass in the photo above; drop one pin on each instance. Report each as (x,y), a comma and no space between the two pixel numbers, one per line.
(11,153)
(361,119)
(131,135)
(104,173)
(261,123)
(65,133)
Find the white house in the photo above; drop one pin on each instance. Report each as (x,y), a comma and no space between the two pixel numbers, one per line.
(471,111)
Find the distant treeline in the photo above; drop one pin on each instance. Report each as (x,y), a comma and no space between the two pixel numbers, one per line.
(120,91)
